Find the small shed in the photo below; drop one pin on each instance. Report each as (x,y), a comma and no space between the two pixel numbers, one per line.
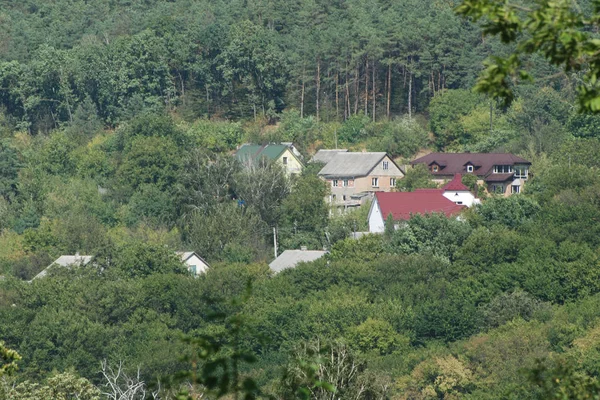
(291,258)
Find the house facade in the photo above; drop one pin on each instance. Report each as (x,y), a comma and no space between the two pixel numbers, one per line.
(403,205)
(354,177)
(458,193)
(285,154)
(193,262)
(500,173)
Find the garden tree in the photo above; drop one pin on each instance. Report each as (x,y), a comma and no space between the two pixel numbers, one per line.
(445,111)
(142,259)
(207,180)
(10,165)
(229,232)
(379,336)
(560,32)
(399,137)
(430,234)
(150,160)
(513,211)
(417,177)
(304,208)
(263,185)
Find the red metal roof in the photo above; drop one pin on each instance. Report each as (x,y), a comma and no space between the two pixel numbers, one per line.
(456,185)
(424,201)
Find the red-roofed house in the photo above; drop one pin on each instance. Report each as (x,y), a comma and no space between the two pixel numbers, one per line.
(501,172)
(458,193)
(402,205)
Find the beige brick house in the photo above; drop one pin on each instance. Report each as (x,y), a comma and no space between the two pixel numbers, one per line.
(354,177)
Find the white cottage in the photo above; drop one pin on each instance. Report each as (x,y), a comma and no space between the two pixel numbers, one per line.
(194,263)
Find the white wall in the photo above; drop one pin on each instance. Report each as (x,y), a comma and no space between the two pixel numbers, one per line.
(464,198)
(201,266)
(376,222)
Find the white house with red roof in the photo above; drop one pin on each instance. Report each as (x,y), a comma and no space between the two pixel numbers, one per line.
(403,205)
(458,193)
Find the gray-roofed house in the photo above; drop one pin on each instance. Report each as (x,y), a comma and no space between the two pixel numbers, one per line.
(354,177)
(325,155)
(502,173)
(194,263)
(67,261)
(291,258)
(284,154)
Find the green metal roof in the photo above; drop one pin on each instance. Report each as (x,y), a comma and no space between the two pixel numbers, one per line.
(254,151)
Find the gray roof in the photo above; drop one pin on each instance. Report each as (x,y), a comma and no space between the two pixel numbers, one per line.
(66,261)
(290,258)
(351,164)
(325,155)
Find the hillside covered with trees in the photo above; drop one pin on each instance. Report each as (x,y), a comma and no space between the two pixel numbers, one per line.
(118,121)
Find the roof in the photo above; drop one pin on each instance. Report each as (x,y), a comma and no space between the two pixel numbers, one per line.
(402,205)
(456,163)
(325,155)
(352,164)
(186,255)
(456,185)
(291,258)
(66,261)
(499,177)
(254,151)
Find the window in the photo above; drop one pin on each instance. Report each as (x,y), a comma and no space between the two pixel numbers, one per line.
(435,168)
(515,189)
(521,172)
(498,189)
(193,269)
(392,182)
(375,182)
(333,198)
(386,165)
(469,168)
(334,183)
(344,197)
(503,169)
(345,182)
(284,160)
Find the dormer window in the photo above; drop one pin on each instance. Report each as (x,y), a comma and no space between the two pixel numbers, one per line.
(503,169)
(469,168)
(435,168)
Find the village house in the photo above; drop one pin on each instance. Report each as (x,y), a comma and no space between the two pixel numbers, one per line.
(458,193)
(192,261)
(291,258)
(354,177)
(403,205)
(285,154)
(500,173)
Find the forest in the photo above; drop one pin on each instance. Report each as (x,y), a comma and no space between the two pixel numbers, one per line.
(118,121)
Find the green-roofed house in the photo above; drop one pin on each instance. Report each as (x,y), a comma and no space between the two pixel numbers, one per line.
(285,154)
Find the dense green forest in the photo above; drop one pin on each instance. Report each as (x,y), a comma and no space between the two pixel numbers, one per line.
(118,120)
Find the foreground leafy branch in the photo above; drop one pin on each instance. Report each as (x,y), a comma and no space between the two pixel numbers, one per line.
(558,29)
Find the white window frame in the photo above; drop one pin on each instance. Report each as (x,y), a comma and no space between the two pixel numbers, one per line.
(515,189)
(496,187)
(503,169)
(386,165)
(375,182)
(469,168)
(285,160)
(435,168)
(345,183)
(334,183)
(521,172)
(392,182)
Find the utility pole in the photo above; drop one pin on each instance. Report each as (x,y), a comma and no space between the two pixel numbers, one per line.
(275,241)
